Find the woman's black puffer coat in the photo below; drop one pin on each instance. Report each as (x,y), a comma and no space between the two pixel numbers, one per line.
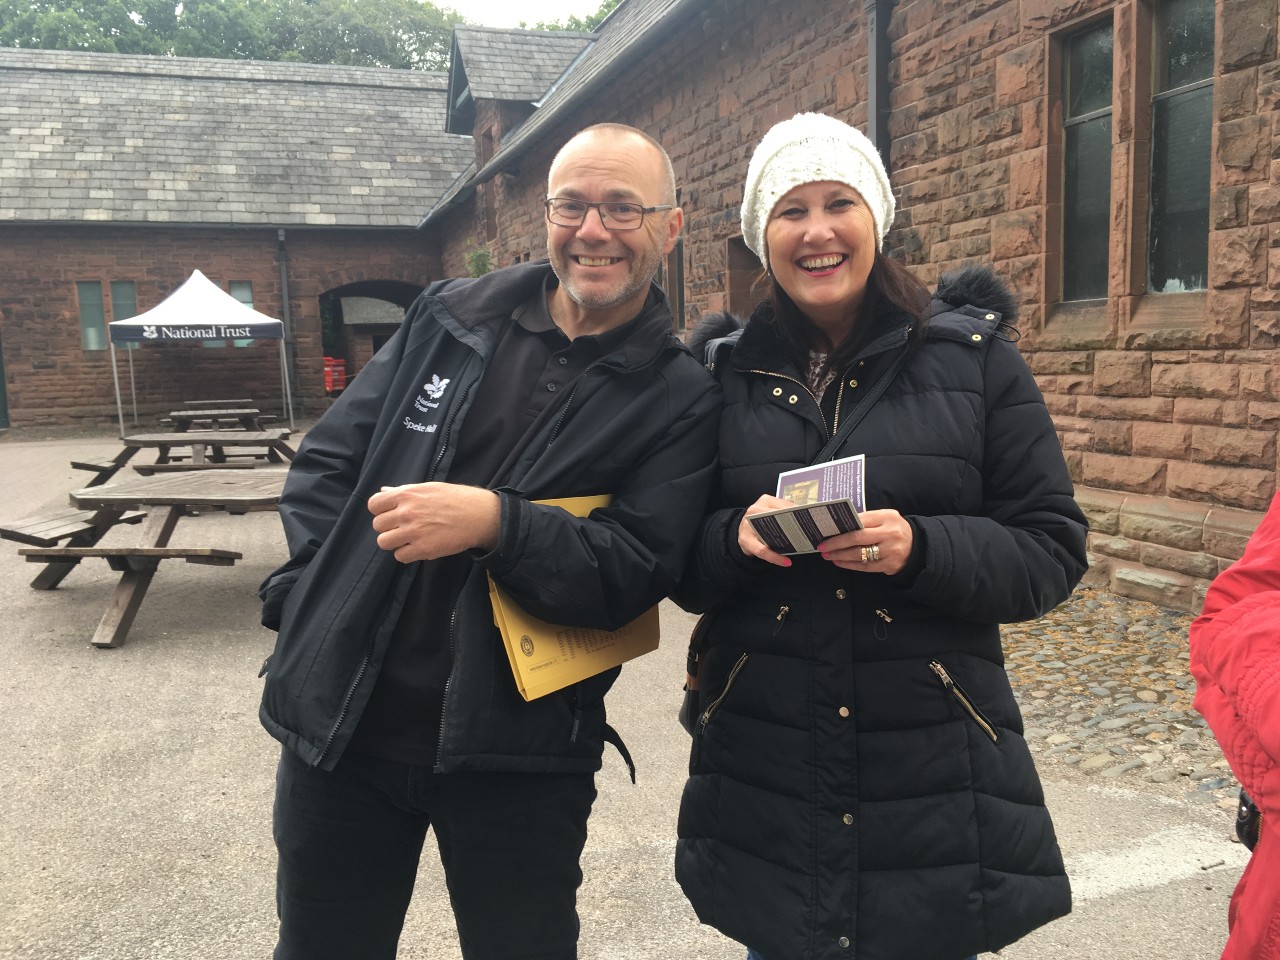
(859,784)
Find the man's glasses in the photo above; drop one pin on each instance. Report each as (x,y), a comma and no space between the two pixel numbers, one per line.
(566,212)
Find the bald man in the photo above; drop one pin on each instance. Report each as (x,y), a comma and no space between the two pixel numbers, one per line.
(389,687)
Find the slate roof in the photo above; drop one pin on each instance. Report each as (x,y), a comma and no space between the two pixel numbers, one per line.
(630,31)
(516,64)
(132,139)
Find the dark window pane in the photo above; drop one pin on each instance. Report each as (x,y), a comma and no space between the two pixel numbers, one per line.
(1089,72)
(124,301)
(93,329)
(1184,43)
(1086,209)
(1178,252)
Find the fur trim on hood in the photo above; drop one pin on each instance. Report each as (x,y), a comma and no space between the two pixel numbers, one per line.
(711,326)
(977,287)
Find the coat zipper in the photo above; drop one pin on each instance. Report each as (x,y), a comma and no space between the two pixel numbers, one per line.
(728,684)
(963,699)
(351,690)
(839,398)
(448,682)
(781,617)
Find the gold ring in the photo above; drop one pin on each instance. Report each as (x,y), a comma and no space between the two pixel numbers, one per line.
(865,554)
(875,552)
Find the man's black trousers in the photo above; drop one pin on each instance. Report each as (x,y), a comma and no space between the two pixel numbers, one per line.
(349,842)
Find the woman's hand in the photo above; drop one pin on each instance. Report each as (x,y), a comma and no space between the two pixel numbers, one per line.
(883,546)
(749,541)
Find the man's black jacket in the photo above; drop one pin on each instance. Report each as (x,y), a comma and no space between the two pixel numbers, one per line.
(639,424)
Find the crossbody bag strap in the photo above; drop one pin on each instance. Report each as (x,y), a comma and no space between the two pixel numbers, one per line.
(857,413)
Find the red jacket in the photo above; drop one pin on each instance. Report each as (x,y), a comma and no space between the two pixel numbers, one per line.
(1235,659)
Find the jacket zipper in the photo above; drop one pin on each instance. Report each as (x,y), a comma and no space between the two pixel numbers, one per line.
(781,617)
(351,690)
(728,685)
(448,682)
(555,431)
(963,699)
(805,387)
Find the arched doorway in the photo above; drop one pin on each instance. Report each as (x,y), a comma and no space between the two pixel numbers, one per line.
(356,319)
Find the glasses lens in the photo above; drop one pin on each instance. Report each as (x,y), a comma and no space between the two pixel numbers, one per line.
(622,214)
(567,213)
(616,216)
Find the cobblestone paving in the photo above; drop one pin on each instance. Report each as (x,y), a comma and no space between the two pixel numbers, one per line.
(1104,688)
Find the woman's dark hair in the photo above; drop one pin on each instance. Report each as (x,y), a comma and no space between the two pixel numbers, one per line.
(892,292)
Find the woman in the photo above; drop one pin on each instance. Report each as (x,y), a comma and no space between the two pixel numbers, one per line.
(1235,659)
(859,783)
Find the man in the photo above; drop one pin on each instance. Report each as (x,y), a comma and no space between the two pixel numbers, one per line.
(389,685)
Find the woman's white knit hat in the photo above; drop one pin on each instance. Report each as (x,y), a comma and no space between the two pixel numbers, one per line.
(810,148)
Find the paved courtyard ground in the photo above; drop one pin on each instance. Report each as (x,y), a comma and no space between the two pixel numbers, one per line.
(136,790)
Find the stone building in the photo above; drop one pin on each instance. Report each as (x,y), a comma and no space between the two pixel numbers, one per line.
(293,186)
(1111,159)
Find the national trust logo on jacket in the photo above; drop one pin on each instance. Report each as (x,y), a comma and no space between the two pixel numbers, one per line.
(427,401)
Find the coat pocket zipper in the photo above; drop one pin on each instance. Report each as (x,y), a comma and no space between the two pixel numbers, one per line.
(965,702)
(728,685)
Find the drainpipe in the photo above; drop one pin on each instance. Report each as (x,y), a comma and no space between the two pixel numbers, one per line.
(878,12)
(290,347)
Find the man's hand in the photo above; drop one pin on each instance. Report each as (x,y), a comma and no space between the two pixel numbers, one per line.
(426,521)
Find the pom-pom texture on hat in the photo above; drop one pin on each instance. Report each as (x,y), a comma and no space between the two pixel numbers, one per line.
(810,148)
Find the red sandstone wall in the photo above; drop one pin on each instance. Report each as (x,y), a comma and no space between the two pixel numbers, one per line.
(1168,409)
(51,379)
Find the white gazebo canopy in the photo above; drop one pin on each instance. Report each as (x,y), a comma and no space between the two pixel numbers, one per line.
(197,310)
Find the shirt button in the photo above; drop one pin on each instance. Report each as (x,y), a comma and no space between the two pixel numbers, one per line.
(844,942)
(843,711)
(777,391)
(793,399)
(848,819)
(841,594)
(551,388)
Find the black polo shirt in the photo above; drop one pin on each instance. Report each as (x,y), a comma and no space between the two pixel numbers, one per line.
(532,370)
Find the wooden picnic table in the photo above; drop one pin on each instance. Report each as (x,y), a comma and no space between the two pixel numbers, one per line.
(166,498)
(247,417)
(211,446)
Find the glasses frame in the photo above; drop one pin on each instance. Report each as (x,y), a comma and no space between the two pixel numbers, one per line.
(599,208)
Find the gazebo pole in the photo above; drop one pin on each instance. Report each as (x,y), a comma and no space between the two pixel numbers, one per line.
(115,378)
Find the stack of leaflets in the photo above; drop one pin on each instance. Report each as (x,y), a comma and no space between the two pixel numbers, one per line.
(828,498)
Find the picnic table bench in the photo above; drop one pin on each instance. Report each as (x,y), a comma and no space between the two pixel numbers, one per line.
(166,498)
(104,468)
(80,528)
(214,445)
(177,466)
(134,558)
(246,418)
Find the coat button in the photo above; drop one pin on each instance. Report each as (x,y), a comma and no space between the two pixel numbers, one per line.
(853,383)
(793,399)
(976,337)
(843,711)
(551,388)
(777,391)
(990,316)
(841,594)
(848,819)
(844,942)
